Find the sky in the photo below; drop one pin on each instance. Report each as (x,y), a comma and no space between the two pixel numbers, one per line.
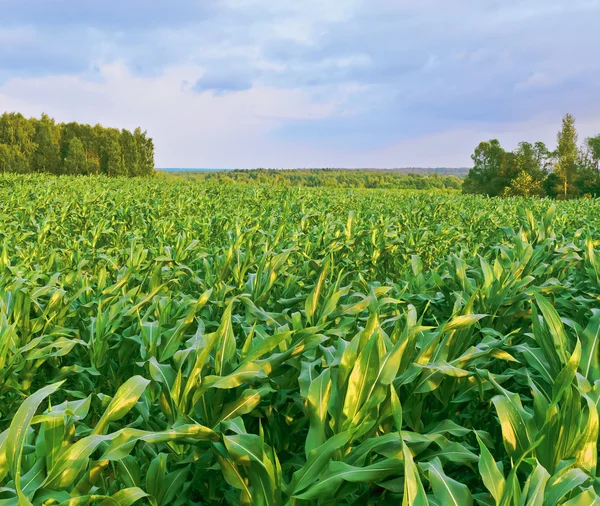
(311,83)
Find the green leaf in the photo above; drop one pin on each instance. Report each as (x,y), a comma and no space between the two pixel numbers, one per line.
(172,343)
(124,400)
(567,375)
(448,491)
(516,424)
(536,485)
(157,470)
(317,402)
(586,498)
(363,375)
(414,493)
(173,484)
(317,460)
(490,474)
(72,461)
(125,497)
(562,483)
(243,374)
(339,472)
(463,321)
(123,441)
(396,408)
(590,349)
(246,403)
(555,326)
(17,432)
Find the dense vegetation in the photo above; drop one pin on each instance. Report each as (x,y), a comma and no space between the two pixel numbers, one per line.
(569,171)
(42,145)
(192,342)
(333,178)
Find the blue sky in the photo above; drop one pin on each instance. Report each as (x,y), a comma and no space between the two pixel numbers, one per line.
(287,83)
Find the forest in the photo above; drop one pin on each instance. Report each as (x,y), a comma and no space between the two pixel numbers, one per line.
(334,178)
(31,145)
(570,171)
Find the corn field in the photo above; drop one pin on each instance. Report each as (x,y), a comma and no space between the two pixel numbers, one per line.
(194,342)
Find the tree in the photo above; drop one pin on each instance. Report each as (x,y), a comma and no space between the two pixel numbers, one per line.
(6,155)
(493,169)
(567,152)
(91,143)
(111,158)
(46,157)
(67,132)
(524,185)
(42,145)
(17,133)
(130,153)
(593,147)
(532,169)
(587,178)
(544,157)
(145,150)
(75,162)
(531,159)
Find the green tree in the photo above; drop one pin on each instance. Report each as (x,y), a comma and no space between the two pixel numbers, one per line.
(533,159)
(42,145)
(587,178)
(111,158)
(91,143)
(567,153)
(130,153)
(145,151)
(17,132)
(68,132)
(46,157)
(593,148)
(524,185)
(75,162)
(493,169)
(6,154)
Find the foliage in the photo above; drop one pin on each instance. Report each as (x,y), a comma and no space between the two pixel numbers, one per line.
(593,146)
(568,172)
(566,153)
(523,185)
(181,342)
(42,145)
(333,178)
(492,169)
(75,156)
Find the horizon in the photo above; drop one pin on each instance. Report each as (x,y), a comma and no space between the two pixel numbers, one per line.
(307,168)
(320,84)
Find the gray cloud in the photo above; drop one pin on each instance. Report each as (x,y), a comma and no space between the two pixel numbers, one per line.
(391,69)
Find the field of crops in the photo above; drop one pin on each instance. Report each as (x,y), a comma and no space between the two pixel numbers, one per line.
(192,342)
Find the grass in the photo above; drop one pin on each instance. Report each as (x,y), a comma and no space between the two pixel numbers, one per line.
(190,342)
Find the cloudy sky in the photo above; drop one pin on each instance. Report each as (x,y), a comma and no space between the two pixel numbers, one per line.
(307,83)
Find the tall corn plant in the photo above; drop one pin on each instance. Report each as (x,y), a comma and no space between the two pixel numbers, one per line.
(176,342)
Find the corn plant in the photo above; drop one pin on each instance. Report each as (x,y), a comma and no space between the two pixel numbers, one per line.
(175,342)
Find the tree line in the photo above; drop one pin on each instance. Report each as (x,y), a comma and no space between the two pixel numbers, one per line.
(333,178)
(569,171)
(30,145)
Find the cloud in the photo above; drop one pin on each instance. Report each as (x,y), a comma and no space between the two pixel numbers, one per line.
(223,82)
(336,79)
(191,129)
